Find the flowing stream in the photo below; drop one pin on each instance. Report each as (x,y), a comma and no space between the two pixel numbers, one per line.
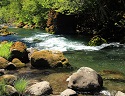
(108,59)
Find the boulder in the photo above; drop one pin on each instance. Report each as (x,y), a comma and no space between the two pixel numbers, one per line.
(68,92)
(9,79)
(3,63)
(85,79)
(119,93)
(18,63)
(39,89)
(47,58)
(18,50)
(5,32)
(96,41)
(11,91)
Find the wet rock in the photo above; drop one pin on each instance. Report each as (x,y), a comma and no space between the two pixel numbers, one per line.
(20,25)
(39,89)
(10,66)
(68,92)
(9,79)
(10,90)
(119,93)
(3,63)
(18,63)
(4,31)
(2,72)
(18,50)
(85,79)
(97,41)
(31,51)
(46,59)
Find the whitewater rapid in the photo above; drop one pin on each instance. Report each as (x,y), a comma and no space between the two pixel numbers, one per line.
(61,43)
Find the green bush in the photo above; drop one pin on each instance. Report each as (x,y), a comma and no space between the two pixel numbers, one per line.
(20,85)
(5,49)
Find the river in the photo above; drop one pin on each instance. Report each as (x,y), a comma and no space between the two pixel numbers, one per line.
(107,59)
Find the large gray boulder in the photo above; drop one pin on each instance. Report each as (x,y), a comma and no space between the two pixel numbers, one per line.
(85,79)
(39,89)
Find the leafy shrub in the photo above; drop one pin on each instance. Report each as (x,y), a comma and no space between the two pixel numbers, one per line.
(20,85)
(5,49)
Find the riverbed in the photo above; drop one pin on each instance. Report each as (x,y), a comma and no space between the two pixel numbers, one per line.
(107,59)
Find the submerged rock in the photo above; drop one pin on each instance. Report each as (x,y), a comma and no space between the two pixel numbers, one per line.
(46,59)
(85,79)
(39,89)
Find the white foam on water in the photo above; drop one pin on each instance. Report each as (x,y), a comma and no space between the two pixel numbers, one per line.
(56,42)
(105,93)
(38,36)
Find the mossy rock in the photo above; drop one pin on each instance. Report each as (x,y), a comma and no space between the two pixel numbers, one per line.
(5,32)
(47,58)
(18,63)
(18,50)
(9,79)
(3,63)
(96,41)
(18,46)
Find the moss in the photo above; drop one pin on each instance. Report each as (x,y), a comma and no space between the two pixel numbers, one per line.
(46,58)
(18,63)
(96,41)
(18,46)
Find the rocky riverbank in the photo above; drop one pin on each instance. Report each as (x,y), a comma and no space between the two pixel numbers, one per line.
(4,31)
(48,73)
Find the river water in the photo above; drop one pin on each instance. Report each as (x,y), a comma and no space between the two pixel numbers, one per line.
(107,59)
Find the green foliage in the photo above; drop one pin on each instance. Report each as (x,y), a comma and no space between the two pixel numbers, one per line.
(35,11)
(20,85)
(96,41)
(5,49)
(2,88)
